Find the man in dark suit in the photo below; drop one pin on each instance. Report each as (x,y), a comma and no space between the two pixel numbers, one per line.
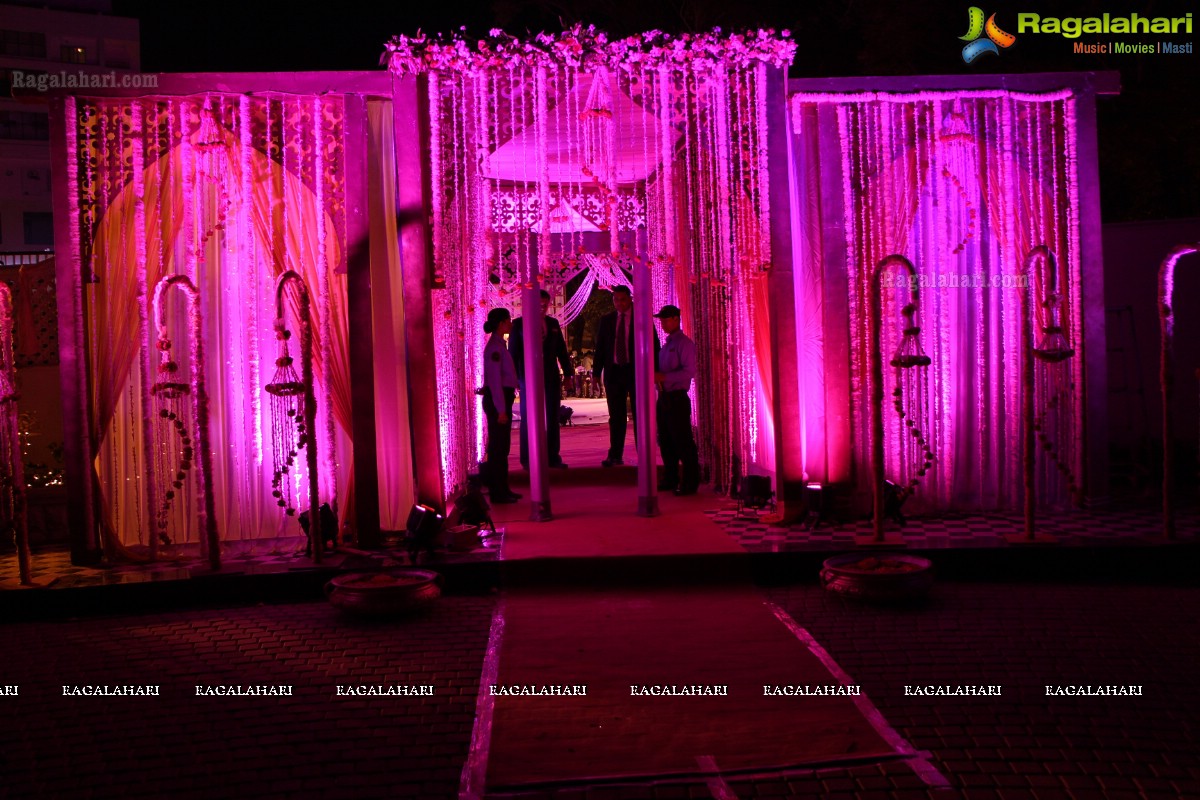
(613,364)
(554,355)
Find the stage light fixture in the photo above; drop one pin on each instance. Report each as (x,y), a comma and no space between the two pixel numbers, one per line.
(424,524)
(814,504)
(754,492)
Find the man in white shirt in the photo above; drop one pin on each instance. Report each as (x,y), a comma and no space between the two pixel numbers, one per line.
(676,369)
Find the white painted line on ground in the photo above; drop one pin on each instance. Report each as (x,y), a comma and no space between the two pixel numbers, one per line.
(717,786)
(919,761)
(473,785)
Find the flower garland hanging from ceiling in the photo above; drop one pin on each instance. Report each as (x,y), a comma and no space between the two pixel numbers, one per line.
(649,150)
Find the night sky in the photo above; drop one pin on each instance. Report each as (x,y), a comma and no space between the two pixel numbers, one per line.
(1149,135)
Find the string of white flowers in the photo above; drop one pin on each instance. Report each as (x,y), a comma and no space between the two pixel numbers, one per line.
(585,46)
(1074,268)
(248,259)
(325,302)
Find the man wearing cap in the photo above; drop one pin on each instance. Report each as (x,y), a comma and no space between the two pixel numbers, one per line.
(676,369)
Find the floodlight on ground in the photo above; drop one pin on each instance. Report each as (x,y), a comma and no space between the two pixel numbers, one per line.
(754,492)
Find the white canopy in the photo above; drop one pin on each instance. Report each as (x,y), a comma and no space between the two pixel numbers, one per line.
(565,219)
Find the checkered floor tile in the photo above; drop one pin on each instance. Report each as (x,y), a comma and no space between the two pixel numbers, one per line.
(51,566)
(1118,525)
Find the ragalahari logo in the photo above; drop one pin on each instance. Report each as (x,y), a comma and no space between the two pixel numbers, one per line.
(976,28)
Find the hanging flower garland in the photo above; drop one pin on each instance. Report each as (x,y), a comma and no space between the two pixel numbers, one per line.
(585,46)
(525,162)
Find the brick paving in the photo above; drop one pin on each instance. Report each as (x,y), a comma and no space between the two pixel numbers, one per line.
(313,744)
(1025,636)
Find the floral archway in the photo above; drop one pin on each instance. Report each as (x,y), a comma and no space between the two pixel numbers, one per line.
(653,145)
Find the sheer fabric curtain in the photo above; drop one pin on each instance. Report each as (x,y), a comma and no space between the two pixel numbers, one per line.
(962,184)
(230,192)
(394,448)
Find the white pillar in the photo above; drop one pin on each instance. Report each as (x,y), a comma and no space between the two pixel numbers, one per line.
(533,404)
(647,428)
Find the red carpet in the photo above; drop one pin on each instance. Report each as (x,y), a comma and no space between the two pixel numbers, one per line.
(595,515)
(595,510)
(612,640)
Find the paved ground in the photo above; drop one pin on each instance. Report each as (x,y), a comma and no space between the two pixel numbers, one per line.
(313,744)
(1024,636)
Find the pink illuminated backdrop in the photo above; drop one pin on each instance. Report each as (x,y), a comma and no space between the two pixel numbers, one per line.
(964,184)
(550,151)
(226,192)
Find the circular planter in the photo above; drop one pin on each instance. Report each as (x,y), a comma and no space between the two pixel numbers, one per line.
(878,576)
(378,594)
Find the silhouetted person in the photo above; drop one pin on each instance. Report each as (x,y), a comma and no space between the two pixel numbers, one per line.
(614,364)
(499,389)
(554,355)
(676,370)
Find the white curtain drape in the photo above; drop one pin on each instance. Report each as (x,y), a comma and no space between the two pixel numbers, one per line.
(394,439)
(230,192)
(963,184)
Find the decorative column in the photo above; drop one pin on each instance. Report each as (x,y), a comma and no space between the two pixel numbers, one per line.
(12,471)
(533,403)
(533,398)
(411,124)
(362,350)
(79,474)
(646,393)
(785,358)
(1092,344)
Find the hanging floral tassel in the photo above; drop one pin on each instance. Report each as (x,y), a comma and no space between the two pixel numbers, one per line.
(1054,388)
(293,413)
(288,432)
(186,444)
(174,458)
(170,395)
(916,454)
(909,400)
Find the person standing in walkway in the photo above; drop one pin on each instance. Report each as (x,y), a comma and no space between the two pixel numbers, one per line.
(554,355)
(676,370)
(499,389)
(614,365)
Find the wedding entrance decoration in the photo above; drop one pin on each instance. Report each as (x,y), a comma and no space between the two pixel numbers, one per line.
(549,152)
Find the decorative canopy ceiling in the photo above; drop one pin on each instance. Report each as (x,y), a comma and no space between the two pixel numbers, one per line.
(565,219)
